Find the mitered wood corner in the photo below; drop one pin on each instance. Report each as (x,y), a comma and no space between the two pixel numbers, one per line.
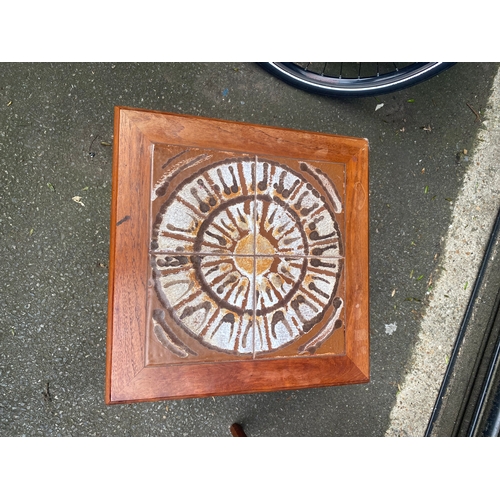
(238,259)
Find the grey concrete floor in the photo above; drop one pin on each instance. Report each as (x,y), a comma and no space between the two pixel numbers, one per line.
(54,251)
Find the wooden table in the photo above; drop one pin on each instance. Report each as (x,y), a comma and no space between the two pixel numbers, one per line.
(238,259)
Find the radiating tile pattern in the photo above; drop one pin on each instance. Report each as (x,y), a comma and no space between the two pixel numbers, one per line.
(246,256)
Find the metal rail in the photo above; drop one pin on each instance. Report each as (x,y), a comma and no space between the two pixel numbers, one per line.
(458,344)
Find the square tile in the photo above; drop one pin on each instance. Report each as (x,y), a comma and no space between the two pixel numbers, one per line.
(298,307)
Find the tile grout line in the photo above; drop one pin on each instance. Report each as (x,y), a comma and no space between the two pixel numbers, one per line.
(263,255)
(254,187)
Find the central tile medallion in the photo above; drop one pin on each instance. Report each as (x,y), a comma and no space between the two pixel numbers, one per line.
(246,257)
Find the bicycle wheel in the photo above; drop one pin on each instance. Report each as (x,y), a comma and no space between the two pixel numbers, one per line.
(354,79)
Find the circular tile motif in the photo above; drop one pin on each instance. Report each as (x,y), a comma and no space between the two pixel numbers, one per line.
(247,255)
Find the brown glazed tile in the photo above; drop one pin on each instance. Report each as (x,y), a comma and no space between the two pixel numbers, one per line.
(300,206)
(201,310)
(202,201)
(299,306)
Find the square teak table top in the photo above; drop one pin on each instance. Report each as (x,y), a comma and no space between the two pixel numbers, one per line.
(238,259)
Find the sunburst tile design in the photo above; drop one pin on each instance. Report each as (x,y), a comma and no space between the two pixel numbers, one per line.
(246,257)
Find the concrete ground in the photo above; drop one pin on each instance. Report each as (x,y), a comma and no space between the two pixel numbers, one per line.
(56,127)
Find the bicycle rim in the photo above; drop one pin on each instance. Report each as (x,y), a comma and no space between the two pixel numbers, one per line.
(354,79)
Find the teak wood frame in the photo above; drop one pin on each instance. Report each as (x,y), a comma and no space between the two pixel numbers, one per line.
(128,379)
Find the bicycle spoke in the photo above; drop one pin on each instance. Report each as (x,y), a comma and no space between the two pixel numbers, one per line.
(354,79)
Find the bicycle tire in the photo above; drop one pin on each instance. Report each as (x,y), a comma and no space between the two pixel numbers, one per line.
(360,85)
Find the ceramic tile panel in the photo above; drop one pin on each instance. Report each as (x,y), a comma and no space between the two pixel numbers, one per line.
(246,257)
